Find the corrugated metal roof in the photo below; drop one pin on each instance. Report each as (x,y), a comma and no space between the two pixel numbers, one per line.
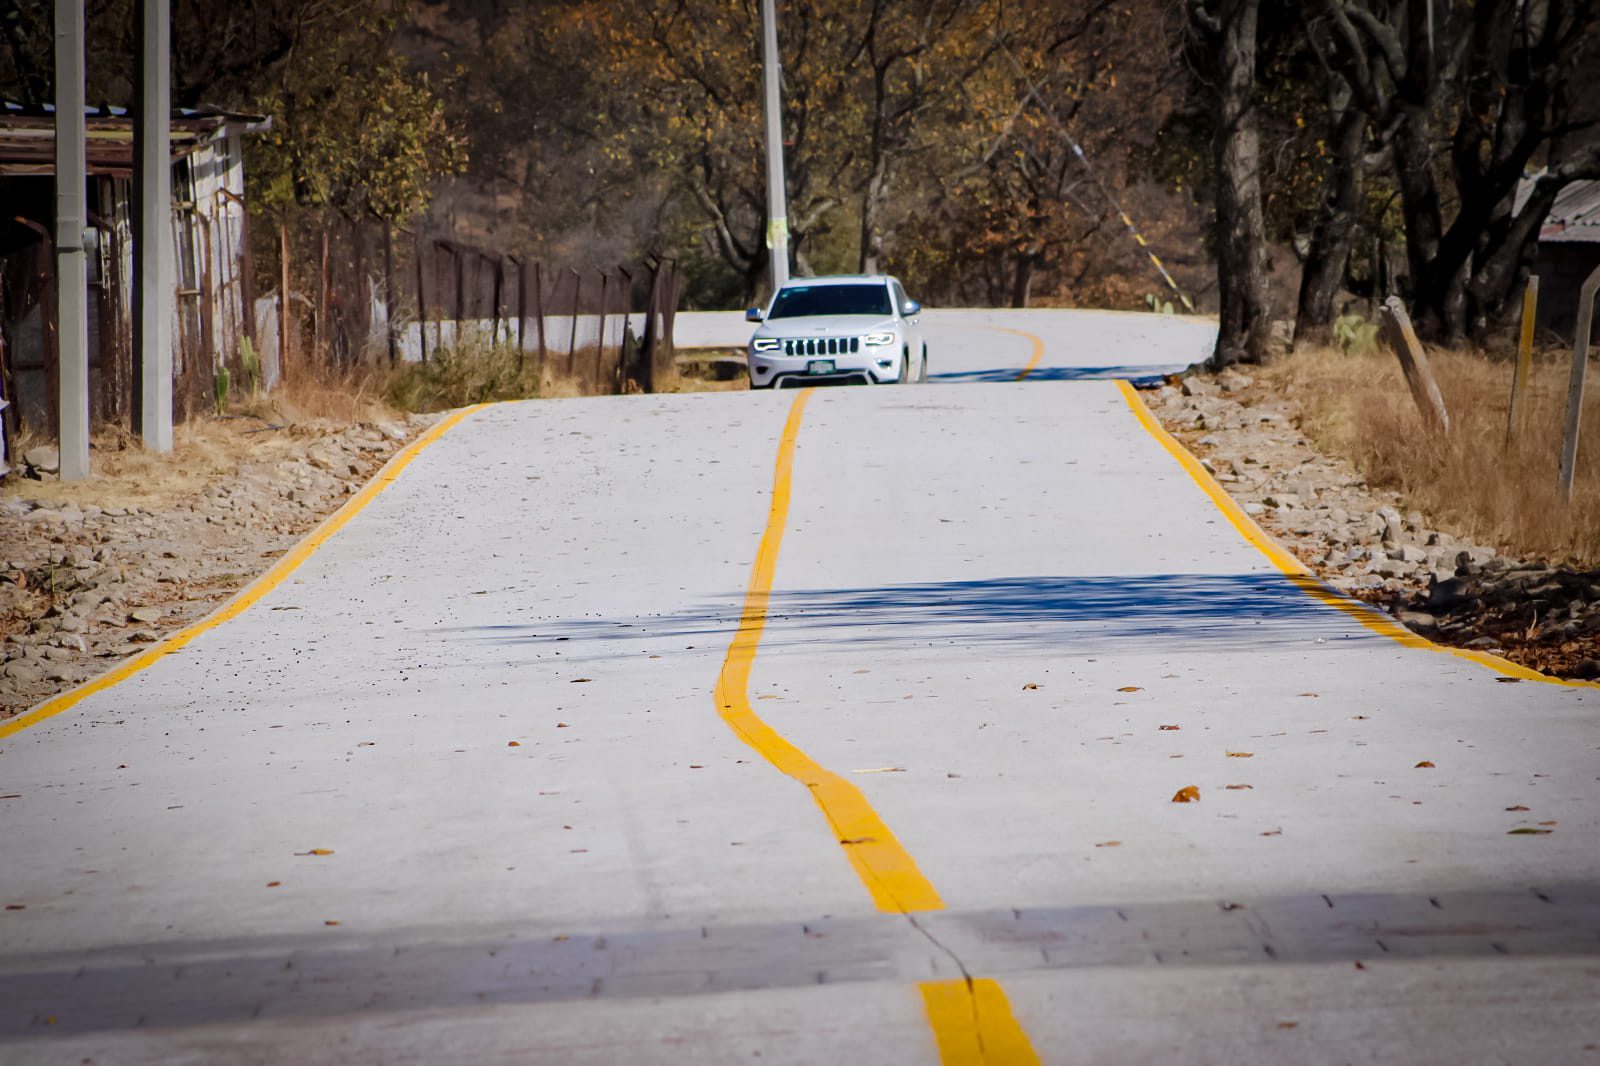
(1575,216)
(28,137)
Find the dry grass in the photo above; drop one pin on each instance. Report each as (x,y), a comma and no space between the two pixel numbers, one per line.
(124,474)
(320,394)
(1468,482)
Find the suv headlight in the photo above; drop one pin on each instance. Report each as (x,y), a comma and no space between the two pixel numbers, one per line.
(878,340)
(765,344)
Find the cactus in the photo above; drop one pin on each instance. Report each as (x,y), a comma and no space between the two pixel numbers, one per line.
(250,363)
(220,384)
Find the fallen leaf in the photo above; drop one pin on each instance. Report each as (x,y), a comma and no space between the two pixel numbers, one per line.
(16,906)
(1360,965)
(696,766)
(274,884)
(331,921)
(1109,844)
(1518,807)
(315,851)
(1550,822)
(1508,680)
(513,743)
(580,680)
(1187,794)
(1130,688)
(1237,787)
(1241,754)
(1313,695)
(1170,728)
(1288,1025)
(1030,685)
(1528,831)
(1359,717)
(1273,833)
(1423,765)
(561,725)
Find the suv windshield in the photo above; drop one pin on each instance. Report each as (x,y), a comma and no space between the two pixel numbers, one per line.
(797,301)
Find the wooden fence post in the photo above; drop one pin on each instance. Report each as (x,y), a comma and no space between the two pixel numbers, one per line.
(1580,365)
(1519,379)
(538,309)
(1414,362)
(283,303)
(422,308)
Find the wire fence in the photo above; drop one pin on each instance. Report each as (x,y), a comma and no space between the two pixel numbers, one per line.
(374,295)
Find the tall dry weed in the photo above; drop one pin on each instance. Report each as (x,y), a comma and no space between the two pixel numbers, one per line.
(1468,481)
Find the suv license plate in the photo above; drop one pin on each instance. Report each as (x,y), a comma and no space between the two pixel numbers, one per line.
(820,366)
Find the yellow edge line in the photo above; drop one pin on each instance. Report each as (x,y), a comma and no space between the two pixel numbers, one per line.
(1302,578)
(248,595)
(883,865)
(973,1024)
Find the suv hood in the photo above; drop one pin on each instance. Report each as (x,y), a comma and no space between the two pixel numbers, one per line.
(825,326)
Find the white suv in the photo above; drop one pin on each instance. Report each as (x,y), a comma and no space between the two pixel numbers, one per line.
(855,328)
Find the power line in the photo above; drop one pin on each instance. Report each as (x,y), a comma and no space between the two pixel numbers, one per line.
(1077,150)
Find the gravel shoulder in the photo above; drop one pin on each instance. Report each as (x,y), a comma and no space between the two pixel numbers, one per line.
(1363,540)
(93,572)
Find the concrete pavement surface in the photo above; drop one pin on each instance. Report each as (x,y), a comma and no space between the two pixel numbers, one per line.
(839,725)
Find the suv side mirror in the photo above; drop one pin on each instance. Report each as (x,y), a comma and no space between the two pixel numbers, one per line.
(752,314)
(909,308)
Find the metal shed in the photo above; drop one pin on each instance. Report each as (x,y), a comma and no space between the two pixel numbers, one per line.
(210,255)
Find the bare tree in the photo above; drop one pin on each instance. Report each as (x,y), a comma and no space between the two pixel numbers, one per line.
(1227,61)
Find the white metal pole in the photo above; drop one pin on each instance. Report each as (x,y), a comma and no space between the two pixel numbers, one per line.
(72,264)
(772,108)
(153,295)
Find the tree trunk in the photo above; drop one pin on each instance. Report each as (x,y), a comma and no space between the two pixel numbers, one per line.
(872,202)
(1419,207)
(1324,270)
(1022,281)
(1245,329)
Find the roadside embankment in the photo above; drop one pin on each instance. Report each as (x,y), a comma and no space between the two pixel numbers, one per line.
(1451,536)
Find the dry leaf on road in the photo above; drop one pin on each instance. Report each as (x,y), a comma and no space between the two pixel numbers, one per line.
(1130,688)
(1187,794)
(1423,765)
(1241,754)
(1170,728)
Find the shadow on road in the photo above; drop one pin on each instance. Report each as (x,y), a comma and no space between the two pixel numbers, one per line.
(1165,612)
(1138,374)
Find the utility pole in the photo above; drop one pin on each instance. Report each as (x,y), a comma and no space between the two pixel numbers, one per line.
(152,229)
(72,264)
(772,108)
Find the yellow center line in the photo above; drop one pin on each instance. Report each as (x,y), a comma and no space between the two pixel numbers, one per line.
(973,1024)
(1038,349)
(971,1018)
(1297,572)
(251,593)
(882,863)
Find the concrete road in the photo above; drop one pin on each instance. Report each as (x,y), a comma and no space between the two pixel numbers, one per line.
(807,727)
